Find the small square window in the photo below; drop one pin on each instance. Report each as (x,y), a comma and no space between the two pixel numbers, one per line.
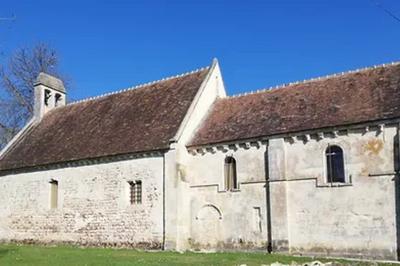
(135,192)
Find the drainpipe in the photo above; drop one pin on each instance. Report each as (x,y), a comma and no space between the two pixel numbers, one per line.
(396,157)
(268,200)
(163,240)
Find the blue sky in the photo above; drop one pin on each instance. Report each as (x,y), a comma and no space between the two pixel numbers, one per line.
(109,45)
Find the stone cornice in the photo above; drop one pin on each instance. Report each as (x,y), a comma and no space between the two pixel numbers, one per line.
(305,136)
(85,162)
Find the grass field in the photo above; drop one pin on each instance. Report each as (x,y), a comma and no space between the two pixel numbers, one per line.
(66,255)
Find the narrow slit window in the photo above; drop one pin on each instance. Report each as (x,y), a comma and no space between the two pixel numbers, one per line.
(230,173)
(53,194)
(135,192)
(335,164)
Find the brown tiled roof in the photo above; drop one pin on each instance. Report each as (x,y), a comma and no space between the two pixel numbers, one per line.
(366,95)
(142,119)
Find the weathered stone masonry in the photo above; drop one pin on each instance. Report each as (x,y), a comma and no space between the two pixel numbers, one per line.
(308,215)
(174,136)
(94,206)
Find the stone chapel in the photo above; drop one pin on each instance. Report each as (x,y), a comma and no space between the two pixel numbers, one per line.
(305,168)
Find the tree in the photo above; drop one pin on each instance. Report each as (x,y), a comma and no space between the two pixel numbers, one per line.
(17,79)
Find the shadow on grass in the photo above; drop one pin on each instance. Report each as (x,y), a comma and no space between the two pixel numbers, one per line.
(5,251)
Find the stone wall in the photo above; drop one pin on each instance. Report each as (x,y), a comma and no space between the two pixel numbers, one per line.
(221,219)
(177,203)
(307,214)
(354,219)
(93,205)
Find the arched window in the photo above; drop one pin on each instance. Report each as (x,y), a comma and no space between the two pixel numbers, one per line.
(57,99)
(47,96)
(334,164)
(230,173)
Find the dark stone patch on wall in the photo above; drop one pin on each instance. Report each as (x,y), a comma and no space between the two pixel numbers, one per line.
(382,254)
(233,245)
(280,245)
(151,245)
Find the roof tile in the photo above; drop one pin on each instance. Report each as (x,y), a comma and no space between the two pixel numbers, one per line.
(137,120)
(366,95)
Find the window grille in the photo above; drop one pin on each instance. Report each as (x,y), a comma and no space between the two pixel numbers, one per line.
(135,192)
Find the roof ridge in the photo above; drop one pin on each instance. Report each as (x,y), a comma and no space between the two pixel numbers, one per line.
(138,86)
(339,74)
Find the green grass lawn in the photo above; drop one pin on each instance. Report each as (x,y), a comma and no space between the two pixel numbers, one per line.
(66,255)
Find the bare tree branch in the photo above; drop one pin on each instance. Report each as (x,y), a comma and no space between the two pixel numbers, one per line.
(17,79)
(16,92)
(387,11)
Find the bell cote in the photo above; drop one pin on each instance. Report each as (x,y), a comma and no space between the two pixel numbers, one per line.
(49,94)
